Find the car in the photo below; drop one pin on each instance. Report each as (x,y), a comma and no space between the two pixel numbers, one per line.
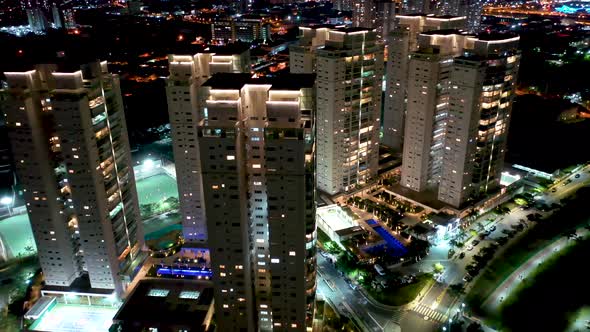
(577,176)
(475,242)
(553,190)
(493,228)
(467,278)
(469,247)
(461,255)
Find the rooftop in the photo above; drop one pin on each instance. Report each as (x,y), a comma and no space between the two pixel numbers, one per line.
(80,285)
(282,82)
(168,301)
(446,32)
(351,29)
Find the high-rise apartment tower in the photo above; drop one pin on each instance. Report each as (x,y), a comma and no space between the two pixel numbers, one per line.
(187,73)
(257,152)
(459,97)
(349,66)
(402,42)
(69,139)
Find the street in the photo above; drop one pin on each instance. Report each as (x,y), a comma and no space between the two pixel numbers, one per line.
(440,303)
(352,303)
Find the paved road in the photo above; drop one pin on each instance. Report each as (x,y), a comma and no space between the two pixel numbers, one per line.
(520,274)
(439,303)
(353,303)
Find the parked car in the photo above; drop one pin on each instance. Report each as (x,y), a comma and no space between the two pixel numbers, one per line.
(475,242)
(461,255)
(380,269)
(493,228)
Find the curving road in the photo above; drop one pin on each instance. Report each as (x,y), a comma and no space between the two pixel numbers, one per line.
(520,274)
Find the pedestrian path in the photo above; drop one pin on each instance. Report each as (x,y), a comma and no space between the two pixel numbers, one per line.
(431,314)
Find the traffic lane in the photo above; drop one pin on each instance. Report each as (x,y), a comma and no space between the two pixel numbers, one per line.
(352,300)
(415,322)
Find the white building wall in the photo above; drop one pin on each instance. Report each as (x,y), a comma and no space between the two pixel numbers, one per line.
(187,73)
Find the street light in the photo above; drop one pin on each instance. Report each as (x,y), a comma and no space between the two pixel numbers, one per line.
(7,200)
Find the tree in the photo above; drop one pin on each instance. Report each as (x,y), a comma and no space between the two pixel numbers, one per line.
(474,327)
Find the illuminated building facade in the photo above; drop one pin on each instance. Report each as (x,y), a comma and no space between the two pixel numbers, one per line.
(483,82)
(187,73)
(69,139)
(402,41)
(257,152)
(349,66)
(459,98)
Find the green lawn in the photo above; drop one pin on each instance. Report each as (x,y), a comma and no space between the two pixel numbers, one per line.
(17,236)
(520,250)
(401,295)
(554,292)
(156,188)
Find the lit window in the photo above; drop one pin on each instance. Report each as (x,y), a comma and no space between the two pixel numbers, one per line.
(257,183)
(17,124)
(293,325)
(215,187)
(230,157)
(263,306)
(291,253)
(259,240)
(275,260)
(256,166)
(239,267)
(226,306)
(222,266)
(222,274)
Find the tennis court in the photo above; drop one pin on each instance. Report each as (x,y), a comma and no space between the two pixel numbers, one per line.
(156,188)
(75,318)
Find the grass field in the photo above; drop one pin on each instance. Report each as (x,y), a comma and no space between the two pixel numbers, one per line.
(552,292)
(156,188)
(16,234)
(520,250)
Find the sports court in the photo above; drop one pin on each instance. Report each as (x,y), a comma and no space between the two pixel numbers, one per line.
(16,236)
(75,318)
(156,188)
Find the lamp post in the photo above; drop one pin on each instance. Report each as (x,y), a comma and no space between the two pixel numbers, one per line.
(6,200)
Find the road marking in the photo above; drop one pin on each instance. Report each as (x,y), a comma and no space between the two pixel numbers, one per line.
(431,314)
(374,320)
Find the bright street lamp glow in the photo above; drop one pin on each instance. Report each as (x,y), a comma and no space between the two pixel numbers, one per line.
(6,200)
(148,164)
